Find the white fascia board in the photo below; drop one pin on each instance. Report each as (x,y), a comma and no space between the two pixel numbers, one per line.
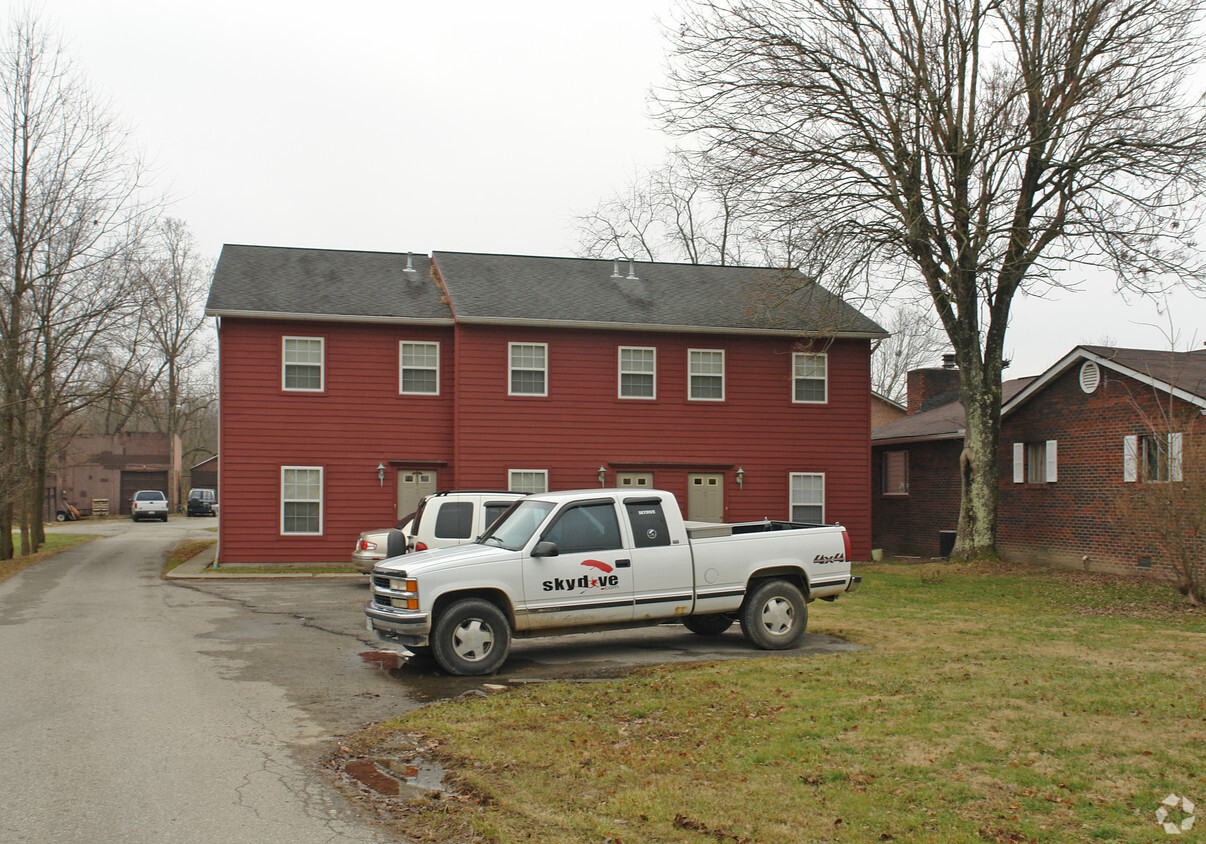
(678,329)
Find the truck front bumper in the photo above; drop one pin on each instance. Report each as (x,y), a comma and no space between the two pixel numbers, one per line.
(407,628)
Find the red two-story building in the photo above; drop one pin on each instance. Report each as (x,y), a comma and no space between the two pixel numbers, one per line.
(352,383)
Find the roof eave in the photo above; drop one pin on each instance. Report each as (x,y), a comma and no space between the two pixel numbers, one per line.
(363,318)
(682,329)
(1080,353)
(924,438)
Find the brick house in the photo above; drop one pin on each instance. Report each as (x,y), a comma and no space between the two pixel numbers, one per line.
(351,383)
(1073,441)
(885,410)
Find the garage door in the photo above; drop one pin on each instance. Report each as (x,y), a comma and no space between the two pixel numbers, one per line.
(131,482)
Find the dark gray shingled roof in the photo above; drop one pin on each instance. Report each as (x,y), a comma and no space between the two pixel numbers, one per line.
(516,289)
(942,421)
(277,281)
(1174,370)
(1182,374)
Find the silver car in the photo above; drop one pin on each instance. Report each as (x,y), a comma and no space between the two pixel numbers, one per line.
(443,519)
(373,546)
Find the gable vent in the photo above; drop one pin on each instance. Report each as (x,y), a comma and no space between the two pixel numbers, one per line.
(1090,376)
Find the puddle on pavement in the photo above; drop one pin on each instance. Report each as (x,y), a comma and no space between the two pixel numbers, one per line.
(398,777)
(424,680)
(385,660)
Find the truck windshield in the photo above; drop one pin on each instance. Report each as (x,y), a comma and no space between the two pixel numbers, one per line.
(515,527)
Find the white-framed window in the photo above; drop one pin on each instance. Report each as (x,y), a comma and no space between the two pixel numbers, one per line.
(419,369)
(1036,462)
(528,480)
(638,372)
(895,474)
(810,378)
(528,368)
(807,490)
(705,372)
(302,363)
(301,500)
(1152,458)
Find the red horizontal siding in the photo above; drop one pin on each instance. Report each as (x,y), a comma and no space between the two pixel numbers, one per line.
(357,422)
(582,423)
(360,420)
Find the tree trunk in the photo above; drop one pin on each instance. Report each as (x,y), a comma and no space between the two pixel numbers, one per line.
(978,466)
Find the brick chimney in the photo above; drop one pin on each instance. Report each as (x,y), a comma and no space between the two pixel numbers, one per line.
(925,384)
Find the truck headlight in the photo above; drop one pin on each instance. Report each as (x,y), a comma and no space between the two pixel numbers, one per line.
(409,599)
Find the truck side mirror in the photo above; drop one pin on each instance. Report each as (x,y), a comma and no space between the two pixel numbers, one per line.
(545,548)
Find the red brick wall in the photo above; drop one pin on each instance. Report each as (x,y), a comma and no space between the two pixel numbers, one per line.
(925,384)
(1078,520)
(909,524)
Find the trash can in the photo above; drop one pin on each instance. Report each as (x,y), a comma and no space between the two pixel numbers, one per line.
(946,542)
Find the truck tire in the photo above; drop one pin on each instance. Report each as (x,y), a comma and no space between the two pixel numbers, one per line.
(708,625)
(774,616)
(471,637)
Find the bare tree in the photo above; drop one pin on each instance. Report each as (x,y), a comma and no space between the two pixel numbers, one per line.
(173,286)
(70,210)
(916,341)
(981,145)
(687,210)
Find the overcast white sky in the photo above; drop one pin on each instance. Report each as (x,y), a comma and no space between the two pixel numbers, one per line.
(397,125)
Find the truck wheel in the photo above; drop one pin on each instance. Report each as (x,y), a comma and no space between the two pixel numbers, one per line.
(471,637)
(707,625)
(774,616)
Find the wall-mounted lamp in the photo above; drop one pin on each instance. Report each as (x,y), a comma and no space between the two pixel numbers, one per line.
(740,476)
(602,475)
(381,473)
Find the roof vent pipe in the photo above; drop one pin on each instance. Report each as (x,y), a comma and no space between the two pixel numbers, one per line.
(615,268)
(631,275)
(410,266)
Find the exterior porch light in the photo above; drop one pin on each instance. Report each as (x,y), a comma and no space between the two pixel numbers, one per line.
(381,474)
(602,475)
(740,476)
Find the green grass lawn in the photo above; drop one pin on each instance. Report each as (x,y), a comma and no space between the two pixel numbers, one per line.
(55,542)
(992,703)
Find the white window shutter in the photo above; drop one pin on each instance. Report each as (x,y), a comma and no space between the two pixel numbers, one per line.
(1052,474)
(1019,463)
(1130,459)
(1174,457)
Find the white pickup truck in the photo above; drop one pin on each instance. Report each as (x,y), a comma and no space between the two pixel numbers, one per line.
(590,560)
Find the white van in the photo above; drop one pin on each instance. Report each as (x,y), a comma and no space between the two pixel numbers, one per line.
(443,519)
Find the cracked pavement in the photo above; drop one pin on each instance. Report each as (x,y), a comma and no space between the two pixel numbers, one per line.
(136,709)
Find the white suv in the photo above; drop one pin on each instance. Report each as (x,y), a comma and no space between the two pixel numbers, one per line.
(443,518)
(148,504)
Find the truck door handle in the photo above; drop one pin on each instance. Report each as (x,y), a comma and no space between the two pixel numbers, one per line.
(623,564)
